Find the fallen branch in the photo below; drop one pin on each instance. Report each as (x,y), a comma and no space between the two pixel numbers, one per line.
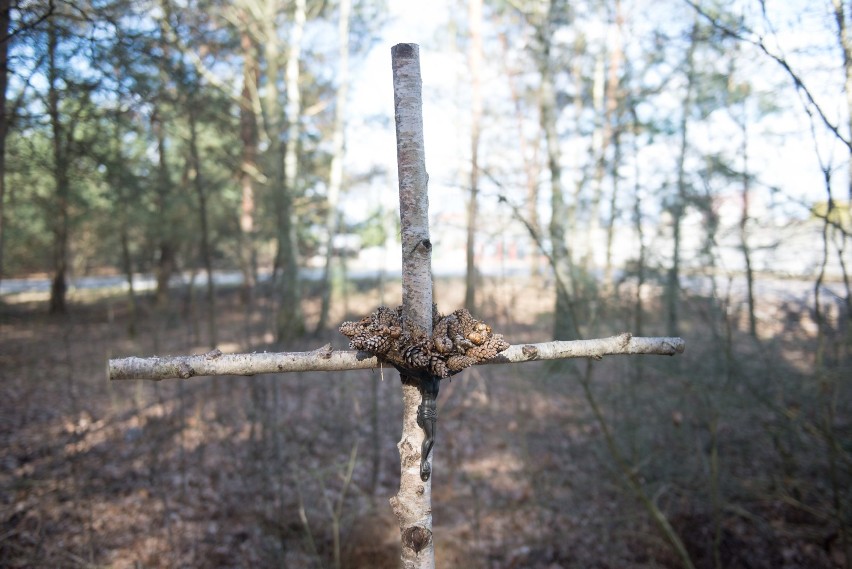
(327,359)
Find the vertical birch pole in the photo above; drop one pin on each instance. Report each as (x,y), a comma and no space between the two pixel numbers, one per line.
(413,503)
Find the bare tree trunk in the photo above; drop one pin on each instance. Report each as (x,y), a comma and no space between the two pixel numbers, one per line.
(744,220)
(290,323)
(201,193)
(167,261)
(123,207)
(248,168)
(672,293)
(608,284)
(575,164)
(59,285)
(4,119)
(600,141)
(475,62)
(640,233)
(614,102)
(846,46)
(412,505)
(283,159)
(127,266)
(531,164)
(335,181)
(565,325)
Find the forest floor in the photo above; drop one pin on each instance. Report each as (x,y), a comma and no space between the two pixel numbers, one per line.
(743,444)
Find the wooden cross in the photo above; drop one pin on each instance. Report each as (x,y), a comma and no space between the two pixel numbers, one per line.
(412,505)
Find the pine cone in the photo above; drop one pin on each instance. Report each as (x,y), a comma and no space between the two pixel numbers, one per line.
(481,353)
(416,356)
(458,340)
(458,363)
(439,335)
(442,344)
(489,350)
(466,322)
(500,344)
(462,345)
(360,341)
(386,316)
(477,338)
(349,328)
(480,333)
(454,328)
(438,367)
(378,344)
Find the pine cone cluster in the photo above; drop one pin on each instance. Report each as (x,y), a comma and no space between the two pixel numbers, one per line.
(458,341)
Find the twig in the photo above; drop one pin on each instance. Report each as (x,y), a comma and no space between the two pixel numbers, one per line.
(327,359)
(780,60)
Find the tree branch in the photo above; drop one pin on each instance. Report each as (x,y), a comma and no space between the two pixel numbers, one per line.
(327,359)
(780,60)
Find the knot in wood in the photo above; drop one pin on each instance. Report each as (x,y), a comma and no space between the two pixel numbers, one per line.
(416,538)
(530,352)
(458,341)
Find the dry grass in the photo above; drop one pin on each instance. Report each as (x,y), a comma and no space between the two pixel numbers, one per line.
(735,442)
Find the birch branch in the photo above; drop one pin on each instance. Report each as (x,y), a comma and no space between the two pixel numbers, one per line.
(327,359)
(412,504)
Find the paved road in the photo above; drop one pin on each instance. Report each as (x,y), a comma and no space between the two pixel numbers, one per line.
(143,282)
(765,288)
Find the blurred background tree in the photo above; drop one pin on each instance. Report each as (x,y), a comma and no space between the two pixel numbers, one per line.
(211,173)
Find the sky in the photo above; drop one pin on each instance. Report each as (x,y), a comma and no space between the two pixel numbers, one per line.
(370,135)
(781,149)
(784,161)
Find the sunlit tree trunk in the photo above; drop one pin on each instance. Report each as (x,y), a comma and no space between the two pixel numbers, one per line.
(248,167)
(846,47)
(4,119)
(565,327)
(614,103)
(530,157)
(62,182)
(830,388)
(745,217)
(338,136)
(638,220)
(475,62)
(600,142)
(672,293)
(167,248)
(576,165)
(290,323)
(273,113)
